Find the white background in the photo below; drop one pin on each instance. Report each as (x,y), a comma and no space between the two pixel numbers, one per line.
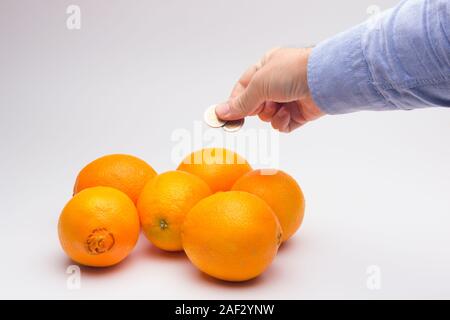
(377,184)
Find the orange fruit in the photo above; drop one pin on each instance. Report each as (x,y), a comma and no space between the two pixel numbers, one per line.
(124,172)
(220,168)
(232,236)
(99,227)
(282,194)
(163,204)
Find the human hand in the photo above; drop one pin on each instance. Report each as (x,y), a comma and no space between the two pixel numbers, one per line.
(276,89)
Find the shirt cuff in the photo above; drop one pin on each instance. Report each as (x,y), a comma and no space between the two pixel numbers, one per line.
(339,78)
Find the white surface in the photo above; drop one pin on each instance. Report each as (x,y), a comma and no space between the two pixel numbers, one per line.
(377,184)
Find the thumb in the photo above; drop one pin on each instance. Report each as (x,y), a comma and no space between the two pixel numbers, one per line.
(244,104)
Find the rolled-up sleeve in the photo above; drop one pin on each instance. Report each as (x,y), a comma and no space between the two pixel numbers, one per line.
(399,59)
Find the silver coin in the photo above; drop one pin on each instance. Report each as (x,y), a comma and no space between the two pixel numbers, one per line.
(233,125)
(211,118)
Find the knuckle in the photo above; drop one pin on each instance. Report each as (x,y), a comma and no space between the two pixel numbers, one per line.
(240,104)
(260,85)
(272,52)
(268,55)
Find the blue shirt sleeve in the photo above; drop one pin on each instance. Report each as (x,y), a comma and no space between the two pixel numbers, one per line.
(397,60)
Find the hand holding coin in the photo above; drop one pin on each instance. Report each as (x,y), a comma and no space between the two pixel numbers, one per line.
(213,121)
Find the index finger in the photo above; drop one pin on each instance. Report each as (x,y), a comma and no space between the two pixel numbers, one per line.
(243,81)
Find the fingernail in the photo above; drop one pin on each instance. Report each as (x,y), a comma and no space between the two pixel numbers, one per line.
(223,109)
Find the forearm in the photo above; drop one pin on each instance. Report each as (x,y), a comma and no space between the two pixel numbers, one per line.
(399,61)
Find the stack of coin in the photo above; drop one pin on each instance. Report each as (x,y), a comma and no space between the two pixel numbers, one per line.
(213,121)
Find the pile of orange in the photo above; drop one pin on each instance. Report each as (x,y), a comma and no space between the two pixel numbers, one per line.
(228,218)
